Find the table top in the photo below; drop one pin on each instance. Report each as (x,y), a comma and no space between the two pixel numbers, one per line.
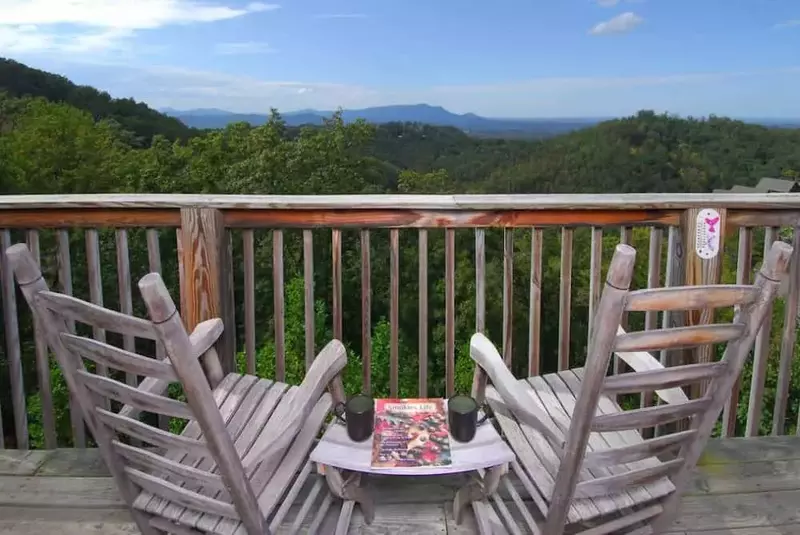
(487,449)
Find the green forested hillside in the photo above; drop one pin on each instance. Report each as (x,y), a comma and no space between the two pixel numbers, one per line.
(655,153)
(63,145)
(143,122)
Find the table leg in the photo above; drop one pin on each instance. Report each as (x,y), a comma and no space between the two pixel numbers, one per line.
(349,489)
(481,486)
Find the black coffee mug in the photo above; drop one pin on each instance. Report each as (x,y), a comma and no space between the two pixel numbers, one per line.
(358,415)
(462,417)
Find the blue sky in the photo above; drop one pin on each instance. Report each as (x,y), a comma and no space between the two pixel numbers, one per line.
(512,58)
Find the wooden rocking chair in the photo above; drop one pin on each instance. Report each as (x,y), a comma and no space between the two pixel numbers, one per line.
(580,457)
(241,459)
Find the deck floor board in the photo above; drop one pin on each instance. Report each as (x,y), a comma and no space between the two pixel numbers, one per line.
(742,487)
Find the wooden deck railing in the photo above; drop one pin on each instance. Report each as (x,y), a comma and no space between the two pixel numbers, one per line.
(236,257)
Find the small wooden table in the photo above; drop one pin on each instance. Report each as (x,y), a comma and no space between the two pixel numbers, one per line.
(487,455)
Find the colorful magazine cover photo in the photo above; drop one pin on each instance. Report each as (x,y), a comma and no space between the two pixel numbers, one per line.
(410,433)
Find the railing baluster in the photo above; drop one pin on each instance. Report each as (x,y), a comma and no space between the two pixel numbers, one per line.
(154,265)
(798,424)
(277,294)
(535,314)
(95,284)
(394,312)
(653,273)
(13,352)
(595,277)
(42,362)
(366,313)
(181,276)
(65,280)
(743,272)
(309,314)
(125,297)
(93,267)
(423,313)
(508,295)
(336,252)
(450,310)
(625,237)
(651,316)
(248,257)
(788,338)
(480,280)
(760,357)
(673,277)
(227,290)
(565,298)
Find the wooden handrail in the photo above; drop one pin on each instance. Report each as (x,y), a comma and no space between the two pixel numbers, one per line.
(576,202)
(210,227)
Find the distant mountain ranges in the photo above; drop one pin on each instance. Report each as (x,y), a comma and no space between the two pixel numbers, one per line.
(421,113)
(416,113)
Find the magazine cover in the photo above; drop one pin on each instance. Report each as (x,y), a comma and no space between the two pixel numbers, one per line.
(410,433)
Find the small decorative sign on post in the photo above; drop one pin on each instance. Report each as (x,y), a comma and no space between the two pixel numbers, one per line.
(707,233)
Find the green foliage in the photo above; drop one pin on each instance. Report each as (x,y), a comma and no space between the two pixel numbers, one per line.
(143,122)
(651,152)
(58,138)
(61,412)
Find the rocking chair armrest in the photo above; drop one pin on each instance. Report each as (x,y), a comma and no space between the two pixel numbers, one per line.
(292,413)
(203,338)
(641,361)
(522,403)
(205,335)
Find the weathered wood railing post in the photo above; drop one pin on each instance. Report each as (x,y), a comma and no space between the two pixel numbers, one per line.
(703,265)
(206,276)
(760,356)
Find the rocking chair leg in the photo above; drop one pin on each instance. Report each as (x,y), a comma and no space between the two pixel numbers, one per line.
(350,490)
(478,489)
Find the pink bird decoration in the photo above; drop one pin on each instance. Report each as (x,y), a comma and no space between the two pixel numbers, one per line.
(711,223)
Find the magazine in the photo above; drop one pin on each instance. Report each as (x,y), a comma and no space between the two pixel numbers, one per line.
(410,433)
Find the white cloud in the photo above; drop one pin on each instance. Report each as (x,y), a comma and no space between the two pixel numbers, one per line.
(141,14)
(30,38)
(341,16)
(184,89)
(788,23)
(620,24)
(99,25)
(246,47)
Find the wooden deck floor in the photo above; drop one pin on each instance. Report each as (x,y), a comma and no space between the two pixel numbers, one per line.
(744,487)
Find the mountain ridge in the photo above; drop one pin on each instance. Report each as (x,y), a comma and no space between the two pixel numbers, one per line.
(470,123)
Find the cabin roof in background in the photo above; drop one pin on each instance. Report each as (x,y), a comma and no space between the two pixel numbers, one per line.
(765,185)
